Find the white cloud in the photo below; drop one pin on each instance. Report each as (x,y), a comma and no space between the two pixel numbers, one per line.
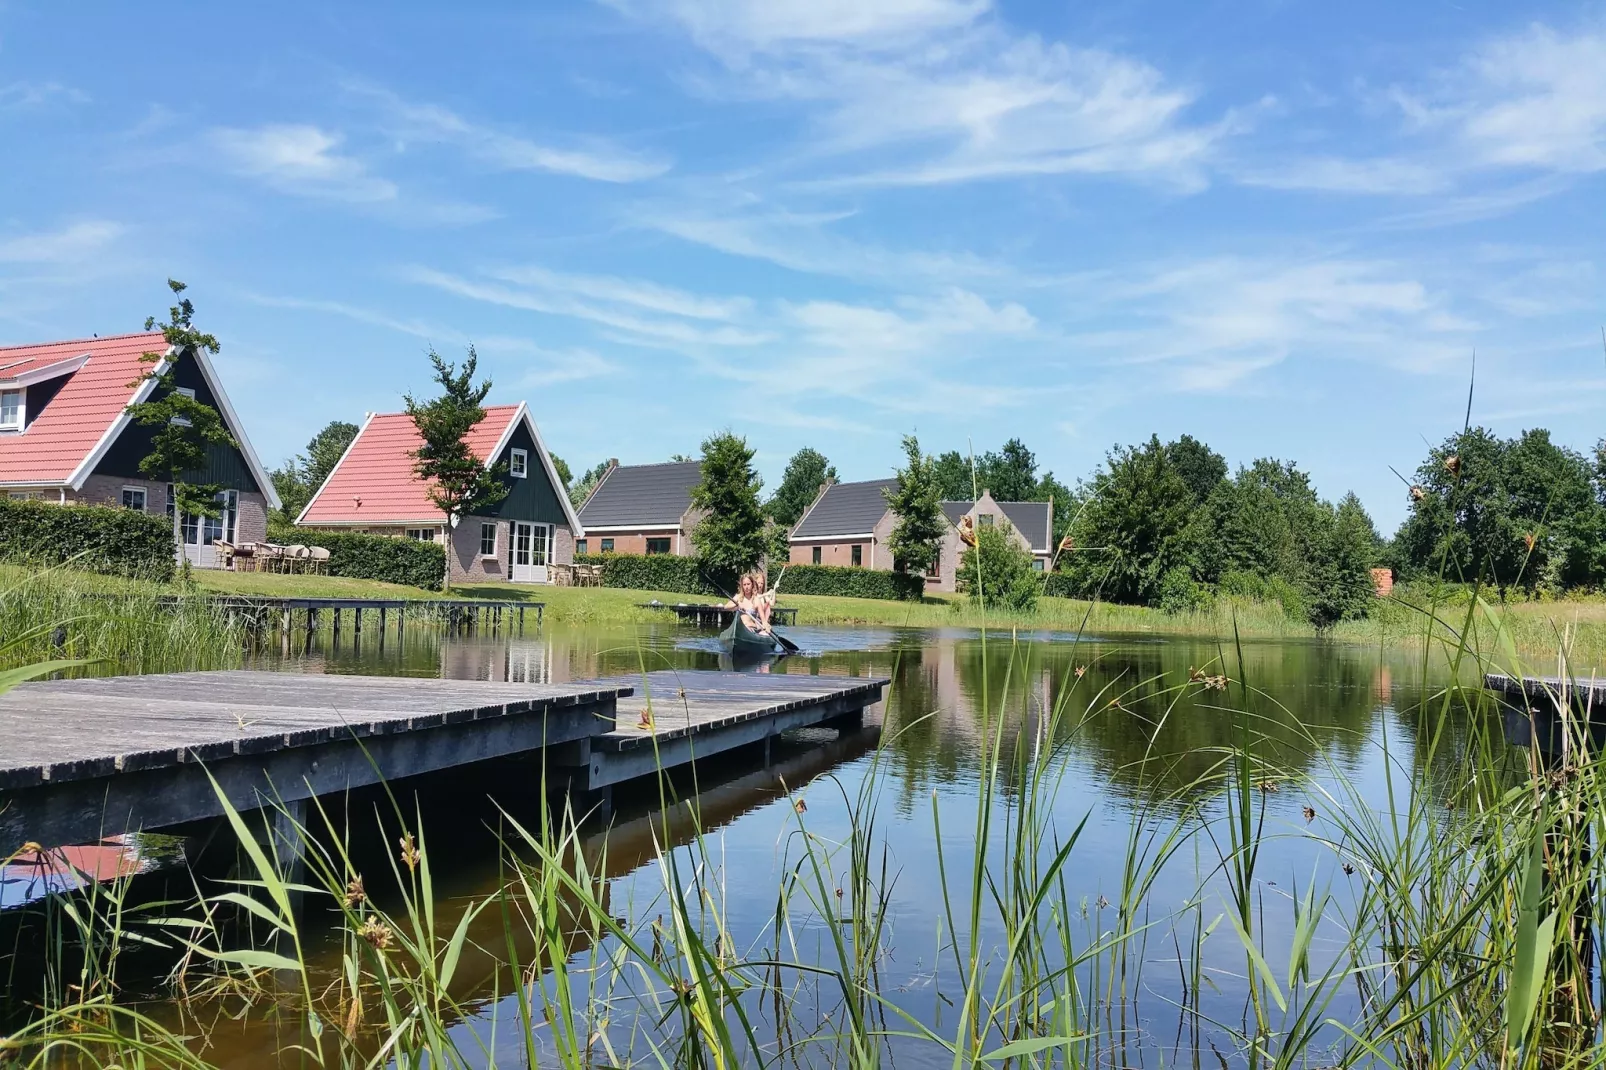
(300,158)
(645,295)
(21,95)
(1337,175)
(71,243)
(589,158)
(1537,99)
(927,92)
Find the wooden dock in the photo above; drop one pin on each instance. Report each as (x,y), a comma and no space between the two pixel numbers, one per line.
(1587,691)
(1534,706)
(83,759)
(715,615)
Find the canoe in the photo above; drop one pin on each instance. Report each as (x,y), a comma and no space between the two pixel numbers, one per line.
(738,638)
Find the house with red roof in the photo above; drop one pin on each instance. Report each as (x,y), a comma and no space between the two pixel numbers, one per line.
(65,435)
(374,489)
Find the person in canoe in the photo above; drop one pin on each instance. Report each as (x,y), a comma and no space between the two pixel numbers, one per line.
(752,602)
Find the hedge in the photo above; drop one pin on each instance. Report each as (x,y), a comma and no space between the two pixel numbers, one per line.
(95,538)
(651,572)
(847,582)
(381,557)
(684,575)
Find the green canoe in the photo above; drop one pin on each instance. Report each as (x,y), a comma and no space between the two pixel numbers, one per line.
(738,638)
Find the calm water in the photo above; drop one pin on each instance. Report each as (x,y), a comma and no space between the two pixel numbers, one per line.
(1136,745)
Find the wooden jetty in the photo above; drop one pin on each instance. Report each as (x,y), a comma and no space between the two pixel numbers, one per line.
(84,759)
(715,615)
(472,614)
(1534,706)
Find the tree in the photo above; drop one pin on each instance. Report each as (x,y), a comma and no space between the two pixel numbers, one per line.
(185,426)
(730,537)
(916,538)
(562,468)
(580,491)
(1010,475)
(299,478)
(997,571)
(954,479)
(1134,527)
(1498,511)
(800,484)
(1201,467)
(1340,573)
(459,483)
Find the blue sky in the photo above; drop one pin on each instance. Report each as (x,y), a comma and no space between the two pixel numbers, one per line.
(1283,227)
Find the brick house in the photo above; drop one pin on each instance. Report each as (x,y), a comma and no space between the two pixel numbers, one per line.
(65,435)
(642,509)
(373,489)
(849,524)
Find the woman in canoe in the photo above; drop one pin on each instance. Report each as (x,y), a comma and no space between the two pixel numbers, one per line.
(752,601)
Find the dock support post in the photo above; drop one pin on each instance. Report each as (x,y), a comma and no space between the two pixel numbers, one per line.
(521,620)
(356,620)
(337,628)
(285,822)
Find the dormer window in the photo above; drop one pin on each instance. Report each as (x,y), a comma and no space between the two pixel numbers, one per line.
(518,463)
(11,410)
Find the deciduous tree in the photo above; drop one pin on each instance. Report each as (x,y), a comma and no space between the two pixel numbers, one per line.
(800,483)
(730,537)
(185,426)
(917,534)
(299,478)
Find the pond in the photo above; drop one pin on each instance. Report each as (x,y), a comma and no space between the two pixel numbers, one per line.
(1115,764)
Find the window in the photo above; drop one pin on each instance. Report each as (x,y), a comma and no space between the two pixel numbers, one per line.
(816,555)
(607,546)
(858,555)
(134,498)
(1037,564)
(188,392)
(984,520)
(10,410)
(580,546)
(421,534)
(657,546)
(518,463)
(487,540)
(934,570)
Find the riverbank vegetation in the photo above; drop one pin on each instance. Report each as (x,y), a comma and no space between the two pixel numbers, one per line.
(1443,918)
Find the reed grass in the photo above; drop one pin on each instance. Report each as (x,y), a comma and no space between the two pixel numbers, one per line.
(1449,918)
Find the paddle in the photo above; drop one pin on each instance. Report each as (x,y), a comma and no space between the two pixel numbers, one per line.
(786,644)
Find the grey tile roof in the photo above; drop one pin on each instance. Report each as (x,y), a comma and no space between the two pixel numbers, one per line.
(1031,520)
(845,509)
(642,495)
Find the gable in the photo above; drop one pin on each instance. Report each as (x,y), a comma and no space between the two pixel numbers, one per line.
(534,497)
(226,465)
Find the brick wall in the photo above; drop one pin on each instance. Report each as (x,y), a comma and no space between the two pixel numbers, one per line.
(633,542)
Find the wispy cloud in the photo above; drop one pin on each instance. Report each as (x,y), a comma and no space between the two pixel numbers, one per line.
(71,243)
(933,92)
(591,158)
(19,96)
(301,159)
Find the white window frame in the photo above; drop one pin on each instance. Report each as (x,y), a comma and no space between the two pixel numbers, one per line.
(144,497)
(21,419)
(518,463)
(433,535)
(189,392)
(495,540)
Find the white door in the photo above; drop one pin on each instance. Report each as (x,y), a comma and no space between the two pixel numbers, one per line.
(531,546)
(200,532)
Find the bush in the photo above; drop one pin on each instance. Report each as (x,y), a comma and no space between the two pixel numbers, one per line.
(1064,585)
(378,557)
(847,582)
(1179,593)
(1005,578)
(95,538)
(650,572)
(1257,588)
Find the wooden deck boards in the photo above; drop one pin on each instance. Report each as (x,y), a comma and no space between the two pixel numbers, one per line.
(687,702)
(71,729)
(1590,690)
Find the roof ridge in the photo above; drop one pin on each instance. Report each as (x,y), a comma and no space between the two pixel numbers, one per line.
(655,464)
(82,341)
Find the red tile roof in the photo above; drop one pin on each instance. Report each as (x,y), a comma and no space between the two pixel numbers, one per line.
(55,444)
(374,482)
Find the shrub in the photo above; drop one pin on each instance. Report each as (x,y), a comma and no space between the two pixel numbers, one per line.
(1179,593)
(1064,585)
(95,538)
(1005,578)
(1257,588)
(651,572)
(378,557)
(847,582)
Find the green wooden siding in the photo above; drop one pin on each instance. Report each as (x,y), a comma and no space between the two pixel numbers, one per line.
(533,497)
(225,464)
